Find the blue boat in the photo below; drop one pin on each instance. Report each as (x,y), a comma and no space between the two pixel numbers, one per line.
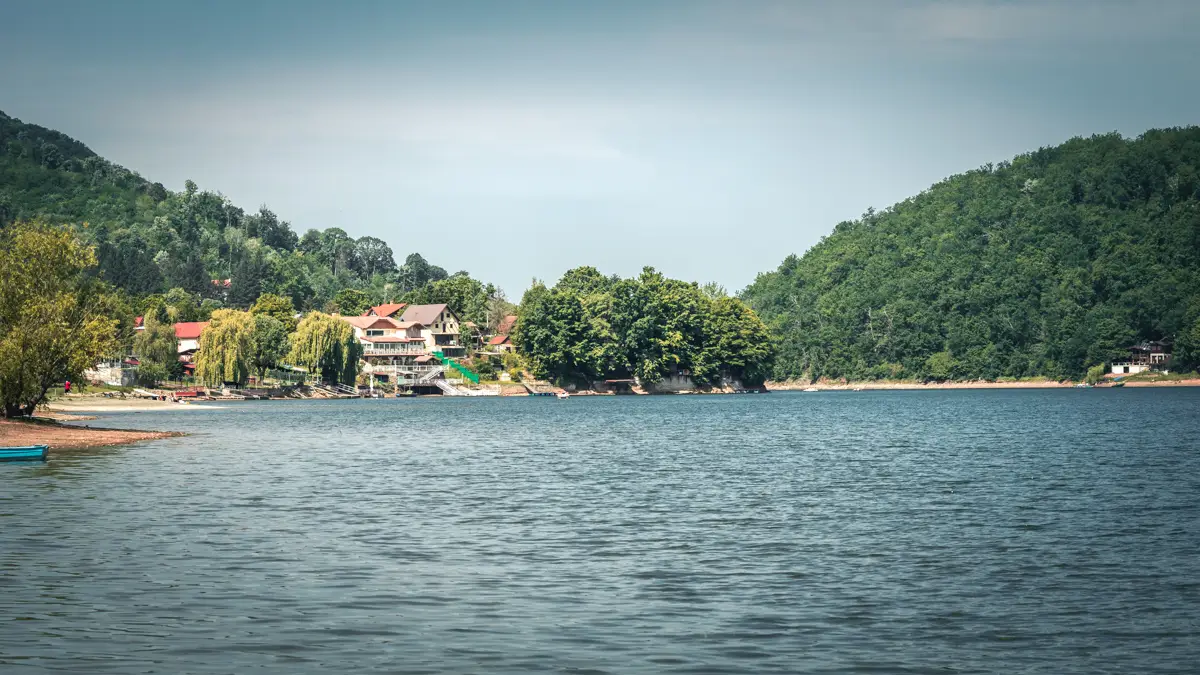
(28,453)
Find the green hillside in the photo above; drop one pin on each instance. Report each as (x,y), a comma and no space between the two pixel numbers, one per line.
(150,240)
(1042,266)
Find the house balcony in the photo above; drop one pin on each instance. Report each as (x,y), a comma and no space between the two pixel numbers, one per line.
(394,349)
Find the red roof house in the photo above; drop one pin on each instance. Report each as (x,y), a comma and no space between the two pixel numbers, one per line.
(388,309)
(189,330)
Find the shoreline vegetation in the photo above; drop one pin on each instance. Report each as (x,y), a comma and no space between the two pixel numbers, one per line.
(48,428)
(1019,275)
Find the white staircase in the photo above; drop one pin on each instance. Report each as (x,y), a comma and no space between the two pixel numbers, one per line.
(449,389)
(431,374)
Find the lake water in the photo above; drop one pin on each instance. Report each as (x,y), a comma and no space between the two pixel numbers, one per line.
(885,532)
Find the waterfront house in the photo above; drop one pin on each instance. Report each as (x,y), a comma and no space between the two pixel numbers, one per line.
(388,309)
(440,327)
(1149,355)
(391,348)
(187,338)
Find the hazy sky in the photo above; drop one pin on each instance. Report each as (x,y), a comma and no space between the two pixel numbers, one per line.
(520,139)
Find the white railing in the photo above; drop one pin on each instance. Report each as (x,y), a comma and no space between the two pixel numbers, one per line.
(398,369)
(384,351)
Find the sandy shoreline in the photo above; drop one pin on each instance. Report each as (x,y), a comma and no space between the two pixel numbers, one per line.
(56,435)
(92,404)
(901,386)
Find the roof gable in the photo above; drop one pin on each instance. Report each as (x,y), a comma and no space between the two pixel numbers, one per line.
(425,314)
(365,322)
(386,309)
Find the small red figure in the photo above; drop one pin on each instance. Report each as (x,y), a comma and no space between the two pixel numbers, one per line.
(67,387)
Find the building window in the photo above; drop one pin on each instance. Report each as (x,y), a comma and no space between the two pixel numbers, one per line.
(374,333)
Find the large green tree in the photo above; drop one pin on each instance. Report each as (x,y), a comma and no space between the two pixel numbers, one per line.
(156,348)
(326,345)
(351,302)
(53,322)
(590,327)
(277,307)
(270,344)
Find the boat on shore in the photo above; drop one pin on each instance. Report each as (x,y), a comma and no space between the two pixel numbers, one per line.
(810,389)
(24,453)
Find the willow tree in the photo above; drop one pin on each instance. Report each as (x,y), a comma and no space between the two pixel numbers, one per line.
(53,322)
(226,348)
(326,345)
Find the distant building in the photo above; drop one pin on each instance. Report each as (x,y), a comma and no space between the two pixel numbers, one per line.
(501,343)
(1151,355)
(221,287)
(116,373)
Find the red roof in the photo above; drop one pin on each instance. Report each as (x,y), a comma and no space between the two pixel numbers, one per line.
(498,340)
(506,324)
(386,309)
(189,330)
(423,359)
(364,322)
(137,320)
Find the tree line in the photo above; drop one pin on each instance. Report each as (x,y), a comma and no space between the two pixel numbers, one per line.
(1047,265)
(237,345)
(151,242)
(591,327)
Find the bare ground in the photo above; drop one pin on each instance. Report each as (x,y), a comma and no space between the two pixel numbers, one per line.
(56,435)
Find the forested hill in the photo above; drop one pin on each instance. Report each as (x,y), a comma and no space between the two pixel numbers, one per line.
(150,240)
(1042,266)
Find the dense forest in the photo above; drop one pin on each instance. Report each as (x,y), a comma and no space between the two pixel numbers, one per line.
(590,327)
(155,244)
(1042,266)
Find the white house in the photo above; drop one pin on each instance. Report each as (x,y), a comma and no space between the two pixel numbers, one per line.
(1152,355)
(440,328)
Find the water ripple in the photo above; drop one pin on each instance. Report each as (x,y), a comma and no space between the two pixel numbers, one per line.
(872,532)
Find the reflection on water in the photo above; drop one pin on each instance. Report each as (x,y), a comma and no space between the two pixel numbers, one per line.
(957,531)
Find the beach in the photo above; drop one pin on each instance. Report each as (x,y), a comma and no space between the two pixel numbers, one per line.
(57,435)
(900,386)
(100,404)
